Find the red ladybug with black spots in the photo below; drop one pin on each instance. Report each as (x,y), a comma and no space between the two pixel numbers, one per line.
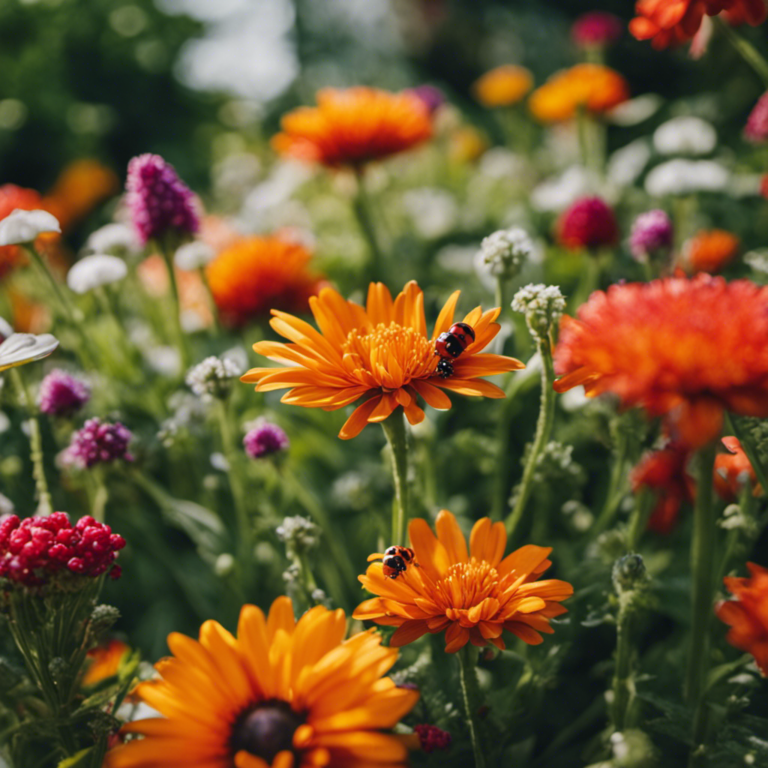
(450,345)
(396,561)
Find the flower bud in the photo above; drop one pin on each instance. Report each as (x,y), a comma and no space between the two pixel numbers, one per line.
(212,378)
(542,305)
(504,252)
(629,573)
(299,534)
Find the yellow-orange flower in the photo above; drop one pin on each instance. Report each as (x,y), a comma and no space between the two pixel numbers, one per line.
(350,127)
(256,274)
(283,693)
(81,186)
(710,251)
(684,349)
(747,615)
(382,352)
(592,87)
(104,662)
(503,86)
(472,594)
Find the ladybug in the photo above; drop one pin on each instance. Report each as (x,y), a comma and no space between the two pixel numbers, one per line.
(396,561)
(449,345)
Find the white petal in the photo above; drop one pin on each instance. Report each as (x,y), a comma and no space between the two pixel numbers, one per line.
(25,226)
(21,348)
(5,329)
(117,239)
(94,271)
(194,255)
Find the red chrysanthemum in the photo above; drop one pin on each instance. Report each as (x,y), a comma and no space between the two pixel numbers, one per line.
(733,471)
(685,349)
(747,615)
(588,223)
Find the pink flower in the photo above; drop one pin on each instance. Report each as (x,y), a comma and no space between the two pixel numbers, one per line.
(596,29)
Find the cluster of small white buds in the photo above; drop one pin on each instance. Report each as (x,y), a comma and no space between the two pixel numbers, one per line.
(504,252)
(542,305)
(299,535)
(212,378)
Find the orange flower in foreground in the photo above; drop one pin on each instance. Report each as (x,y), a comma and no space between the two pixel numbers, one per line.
(503,86)
(284,694)
(710,251)
(353,126)
(256,274)
(592,87)
(382,352)
(685,349)
(747,615)
(104,662)
(733,471)
(473,594)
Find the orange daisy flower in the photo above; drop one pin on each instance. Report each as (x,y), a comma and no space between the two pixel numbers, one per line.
(503,86)
(282,694)
(382,352)
(710,251)
(256,274)
(592,87)
(104,662)
(685,349)
(351,127)
(473,594)
(747,615)
(733,470)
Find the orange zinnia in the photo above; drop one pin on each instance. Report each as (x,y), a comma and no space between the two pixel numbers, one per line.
(747,615)
(710,251)
(503,86)
(104,662)
(350,127)
(256,274)
(284,694)
(381,351)
(474,595)
(592,87)
(685,349)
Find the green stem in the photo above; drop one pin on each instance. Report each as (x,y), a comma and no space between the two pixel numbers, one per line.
(470,691)
(749,448)
(62,298)
(703,576)
(543,432)
(44,506)
(498,296)
(212,301)
(623,684)
(397,437)
(745,49)
(616,486)
(639,518)
(181,339)
(361,205)
(583,132)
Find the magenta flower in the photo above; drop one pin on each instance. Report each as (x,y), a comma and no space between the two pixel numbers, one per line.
(596,29)
(756,129)
(432,97)
(98,442)
(652,234)
(589,223)
(265,440)
(159,202)
(62,394)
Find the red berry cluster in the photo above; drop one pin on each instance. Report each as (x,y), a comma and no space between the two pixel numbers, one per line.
(431,737)
(35,549)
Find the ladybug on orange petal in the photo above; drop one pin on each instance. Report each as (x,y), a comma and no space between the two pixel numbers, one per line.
(396,561)
(450,345)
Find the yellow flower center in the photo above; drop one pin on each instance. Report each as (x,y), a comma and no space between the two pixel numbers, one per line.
(389,356)
(468,584)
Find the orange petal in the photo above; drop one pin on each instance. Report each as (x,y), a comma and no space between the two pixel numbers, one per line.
(430,553)
(355,424)
(408,633)
(450,536)
(488,541)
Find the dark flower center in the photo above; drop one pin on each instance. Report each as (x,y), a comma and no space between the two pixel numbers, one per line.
(266,730)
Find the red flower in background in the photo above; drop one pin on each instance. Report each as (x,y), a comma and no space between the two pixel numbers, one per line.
(733,470)
(589,223)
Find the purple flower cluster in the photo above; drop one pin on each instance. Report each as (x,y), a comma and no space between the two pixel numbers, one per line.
(158,200)
(756,129)
(98,442)
(652,233)
(264,440)
(34,549)
(62,394)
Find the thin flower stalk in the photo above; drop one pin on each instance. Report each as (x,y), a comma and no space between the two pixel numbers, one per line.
(397,437)
(362,208)
(181,339)
(745,49)
(470,692)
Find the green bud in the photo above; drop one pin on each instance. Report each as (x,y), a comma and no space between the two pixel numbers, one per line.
(629,573)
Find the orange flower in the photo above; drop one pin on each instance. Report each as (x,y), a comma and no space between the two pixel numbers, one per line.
(256,274)
(353,126)
(474,595)
(283,693)
(503,86)
(81,186)
(747,615)
(592,87)
(104,662)
(11,198)
(381,351)
(710,251)
(664,472)
(685,349)
(733,471)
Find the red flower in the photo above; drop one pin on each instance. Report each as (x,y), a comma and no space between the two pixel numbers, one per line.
(747,615)
(431,738)
(664,472)
(733,470)
(588,223)
(685,349)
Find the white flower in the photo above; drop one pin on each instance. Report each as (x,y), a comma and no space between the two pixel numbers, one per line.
(433,211)
(626,164)
(21,348)
(684,177)
(685,136)
(24,226)
(193,256)
(213,377)
(94,271)
(5,329)
(503,252)
(559,192)
(117,239)
(542,305)
(635,110)
(758,260)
